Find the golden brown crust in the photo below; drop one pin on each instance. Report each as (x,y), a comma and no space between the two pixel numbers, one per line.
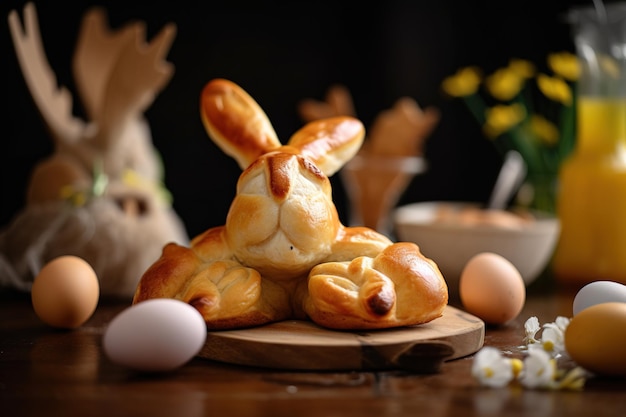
(227,294)
(352,242)
(283,252)
(398,287)
(329,142)
(235,122)
(211,245)
(168,274)
(422,290)
(282,220)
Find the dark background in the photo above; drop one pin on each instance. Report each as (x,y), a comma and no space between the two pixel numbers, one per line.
(281,52)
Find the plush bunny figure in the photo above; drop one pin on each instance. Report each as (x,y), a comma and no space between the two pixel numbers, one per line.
(99,195)
(282,252)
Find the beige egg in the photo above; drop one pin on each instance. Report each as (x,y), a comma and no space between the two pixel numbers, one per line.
(65,293)
(596,336)
(492,288)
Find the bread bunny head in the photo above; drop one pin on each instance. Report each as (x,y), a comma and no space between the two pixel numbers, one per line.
(99,194)
(282,219)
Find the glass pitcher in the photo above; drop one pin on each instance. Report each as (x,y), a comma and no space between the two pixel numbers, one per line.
(591,202)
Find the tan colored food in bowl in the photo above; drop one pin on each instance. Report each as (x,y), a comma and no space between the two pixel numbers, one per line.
(472,216)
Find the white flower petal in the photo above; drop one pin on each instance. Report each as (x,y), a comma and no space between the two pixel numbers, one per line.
(562,323)
(553,340)
(491,368)
(539,370)
(531,327)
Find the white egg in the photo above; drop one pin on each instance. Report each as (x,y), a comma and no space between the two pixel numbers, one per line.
(598,292)
(155,335)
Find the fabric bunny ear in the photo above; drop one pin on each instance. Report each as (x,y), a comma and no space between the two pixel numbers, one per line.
(235,122)
(329,143)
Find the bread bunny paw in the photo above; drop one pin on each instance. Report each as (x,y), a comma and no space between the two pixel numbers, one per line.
(396,288)
(344,295)
(230,295)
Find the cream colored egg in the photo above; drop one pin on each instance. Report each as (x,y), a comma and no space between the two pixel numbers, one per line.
(156,335)
(65,292)
(596,336)
(492,288)
(598,292)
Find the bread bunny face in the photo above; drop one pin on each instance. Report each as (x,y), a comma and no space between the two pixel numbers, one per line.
(282,219)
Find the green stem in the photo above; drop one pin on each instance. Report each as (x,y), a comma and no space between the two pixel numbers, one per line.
(568,127)
(476,106)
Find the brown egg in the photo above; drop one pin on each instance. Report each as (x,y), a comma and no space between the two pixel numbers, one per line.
(65,293)
(492,288)
(596,336)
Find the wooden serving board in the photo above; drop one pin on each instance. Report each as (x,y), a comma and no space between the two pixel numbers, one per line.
(302,345)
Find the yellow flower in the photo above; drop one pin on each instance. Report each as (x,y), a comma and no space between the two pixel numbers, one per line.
(544,129)
(542,139)
(522,67)
(501,118)
(464,83)
(504,84)
(564,64)
(555,88)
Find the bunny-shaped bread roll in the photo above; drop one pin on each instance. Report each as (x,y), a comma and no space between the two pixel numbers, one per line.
(283,253)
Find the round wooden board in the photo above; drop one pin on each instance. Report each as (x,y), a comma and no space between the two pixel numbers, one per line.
(302,345)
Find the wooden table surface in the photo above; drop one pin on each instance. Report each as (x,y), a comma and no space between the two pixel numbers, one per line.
(50,372)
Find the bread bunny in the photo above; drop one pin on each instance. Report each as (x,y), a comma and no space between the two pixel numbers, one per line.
(282,252)
(99,194)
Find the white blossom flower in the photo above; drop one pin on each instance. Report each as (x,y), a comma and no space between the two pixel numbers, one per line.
(491,368)
(531,327)
(539,370)
(552,341)
(562,322)
(553,336)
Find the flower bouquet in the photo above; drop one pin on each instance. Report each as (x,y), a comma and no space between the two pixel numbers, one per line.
(537,119)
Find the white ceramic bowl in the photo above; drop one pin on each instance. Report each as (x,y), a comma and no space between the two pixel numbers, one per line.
(452,244)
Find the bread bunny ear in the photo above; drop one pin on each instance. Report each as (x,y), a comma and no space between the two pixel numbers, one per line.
(235,122)
(329,143)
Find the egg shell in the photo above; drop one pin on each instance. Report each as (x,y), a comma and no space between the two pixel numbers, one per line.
(155,335)
(595,338)
(65,292)
(492,288)
(598,292)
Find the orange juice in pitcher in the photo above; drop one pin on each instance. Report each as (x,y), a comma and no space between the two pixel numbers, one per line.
(592,196)
(591,202)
